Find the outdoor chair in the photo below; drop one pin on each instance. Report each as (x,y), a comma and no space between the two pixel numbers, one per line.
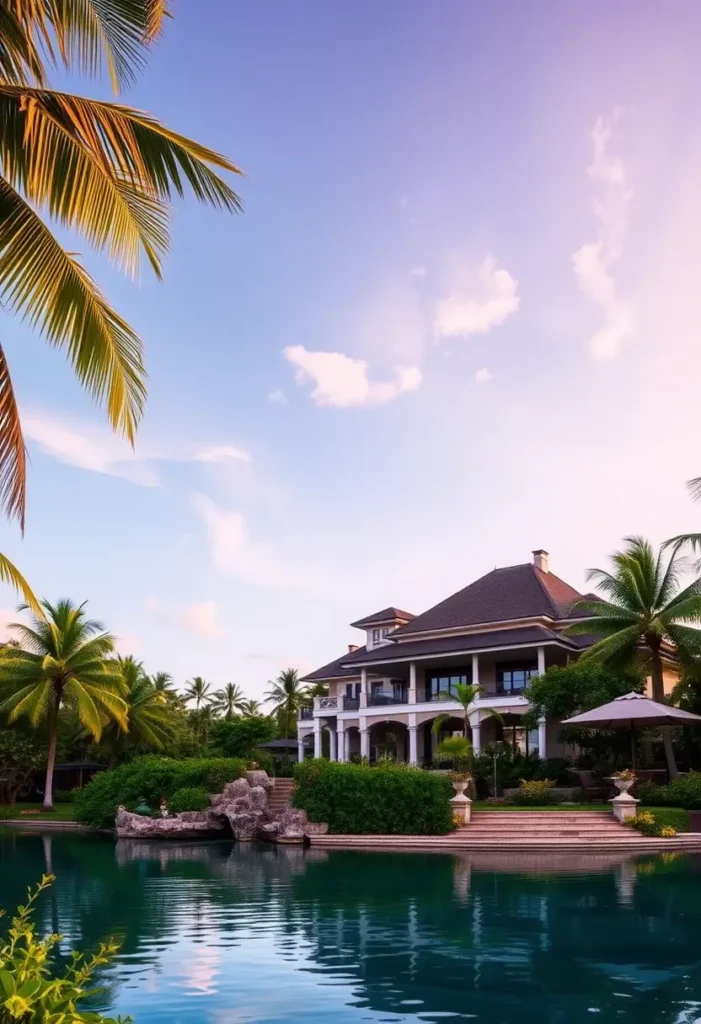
(593,788)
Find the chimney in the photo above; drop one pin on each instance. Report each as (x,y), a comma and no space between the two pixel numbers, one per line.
(540,560)
(352,647)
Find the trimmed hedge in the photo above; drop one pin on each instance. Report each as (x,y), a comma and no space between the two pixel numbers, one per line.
(534,793)
(682,792)
(662,817)
(189,798)
(387,799)
(151,777)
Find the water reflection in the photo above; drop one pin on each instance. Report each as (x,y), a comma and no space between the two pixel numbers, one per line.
(222,933)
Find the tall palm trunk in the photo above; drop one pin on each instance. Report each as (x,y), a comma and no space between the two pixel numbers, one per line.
(51,758)
(658,695)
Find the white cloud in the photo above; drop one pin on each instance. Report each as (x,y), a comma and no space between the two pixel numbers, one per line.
(97,449)
(201,618)
(222,453)
(277,396)
(483,376)
(480,306)
(417,272)
(594,261)
(343,382)
(233,551)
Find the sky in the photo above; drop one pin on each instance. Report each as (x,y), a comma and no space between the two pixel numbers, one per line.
(457,320)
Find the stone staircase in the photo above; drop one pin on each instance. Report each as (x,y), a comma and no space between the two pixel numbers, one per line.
(280,795)
(525,830)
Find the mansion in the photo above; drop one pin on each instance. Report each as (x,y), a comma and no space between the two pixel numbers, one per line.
(496,633)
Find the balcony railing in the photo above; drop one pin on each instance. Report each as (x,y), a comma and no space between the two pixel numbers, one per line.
(351,703)
(383,698)
(306,713)
(326,703)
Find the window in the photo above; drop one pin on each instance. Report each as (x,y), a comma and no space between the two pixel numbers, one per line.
(385,632)
(446,681)
(512,677)
(352,689)
(376,636)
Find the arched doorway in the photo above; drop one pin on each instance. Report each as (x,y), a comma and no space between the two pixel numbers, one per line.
(389,739)
(453,726)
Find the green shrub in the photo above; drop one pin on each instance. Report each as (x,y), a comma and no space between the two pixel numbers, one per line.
(682,792)
(151,777)
(64,796)
(534,792)
(241,737)
(189,798)
(389,799)
(651,822)
(30,990)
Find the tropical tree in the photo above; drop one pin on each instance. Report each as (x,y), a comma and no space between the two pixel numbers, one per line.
(197,690)
(287,695)
(105,170)
(149,717)
(644,611)
(464,694)
(64,661)
(228,701)
(250,708)
(162,682)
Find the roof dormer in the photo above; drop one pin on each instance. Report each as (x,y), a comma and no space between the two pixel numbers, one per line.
(380,624)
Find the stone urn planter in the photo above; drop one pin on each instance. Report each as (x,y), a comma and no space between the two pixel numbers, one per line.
(460,804)
(624,806)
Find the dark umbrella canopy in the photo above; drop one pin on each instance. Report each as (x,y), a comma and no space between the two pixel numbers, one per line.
(630,710)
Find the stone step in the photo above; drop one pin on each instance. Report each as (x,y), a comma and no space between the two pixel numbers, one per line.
(626,843)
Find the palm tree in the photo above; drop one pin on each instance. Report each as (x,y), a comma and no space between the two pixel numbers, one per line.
(645,611)
(228,701)
(63,661)
(465,694)
(250,708)
(162,682)
(286,695)
(105,170)
(197,690)
(148,714)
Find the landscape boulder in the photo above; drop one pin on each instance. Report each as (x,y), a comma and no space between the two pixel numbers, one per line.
(190,823)
(257,777)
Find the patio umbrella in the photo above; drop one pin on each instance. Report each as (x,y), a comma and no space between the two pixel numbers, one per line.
(630,710)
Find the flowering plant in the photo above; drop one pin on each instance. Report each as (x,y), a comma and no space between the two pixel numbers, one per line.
(627,775)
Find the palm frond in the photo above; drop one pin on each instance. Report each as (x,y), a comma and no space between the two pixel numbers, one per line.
(57,295)
(9,573)
(694,488)
(19,57)
(156,12)
(624,641)
(13,456)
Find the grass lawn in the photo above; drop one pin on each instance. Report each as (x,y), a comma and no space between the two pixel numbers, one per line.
(61,812)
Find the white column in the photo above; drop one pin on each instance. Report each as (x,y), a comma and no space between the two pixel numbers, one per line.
(317,737)
(300,748)
(412,682)
(475,670)
(542,738)
(413,751)
(364,741)
(541,661)
(332,744)
(363,687)
(341,742)
(476,734)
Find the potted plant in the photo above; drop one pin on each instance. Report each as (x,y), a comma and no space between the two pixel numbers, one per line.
(623,780)
(460,781)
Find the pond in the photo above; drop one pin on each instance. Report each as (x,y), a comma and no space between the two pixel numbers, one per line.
(228,934)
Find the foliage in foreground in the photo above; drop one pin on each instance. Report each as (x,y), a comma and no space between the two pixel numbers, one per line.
(534,793)
(684,791)
(660,821)
(240,737)
(28,992)
(383,800)
(151,777)
(189,798)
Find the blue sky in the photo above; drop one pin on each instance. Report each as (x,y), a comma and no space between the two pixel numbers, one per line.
(459,319)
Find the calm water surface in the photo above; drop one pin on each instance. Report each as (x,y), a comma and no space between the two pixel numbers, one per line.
(232,934)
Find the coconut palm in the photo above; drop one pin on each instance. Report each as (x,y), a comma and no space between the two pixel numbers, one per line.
(63,662)
(287,695)
(250,708)
(162,682)
(228,701)
(148,715)
(464,694)
(197,690)
(105,170)
(645,614)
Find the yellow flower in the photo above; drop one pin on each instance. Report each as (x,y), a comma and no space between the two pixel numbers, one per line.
(17,1007)
(668,832)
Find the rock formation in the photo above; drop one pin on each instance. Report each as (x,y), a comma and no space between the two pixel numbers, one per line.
(243,804)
